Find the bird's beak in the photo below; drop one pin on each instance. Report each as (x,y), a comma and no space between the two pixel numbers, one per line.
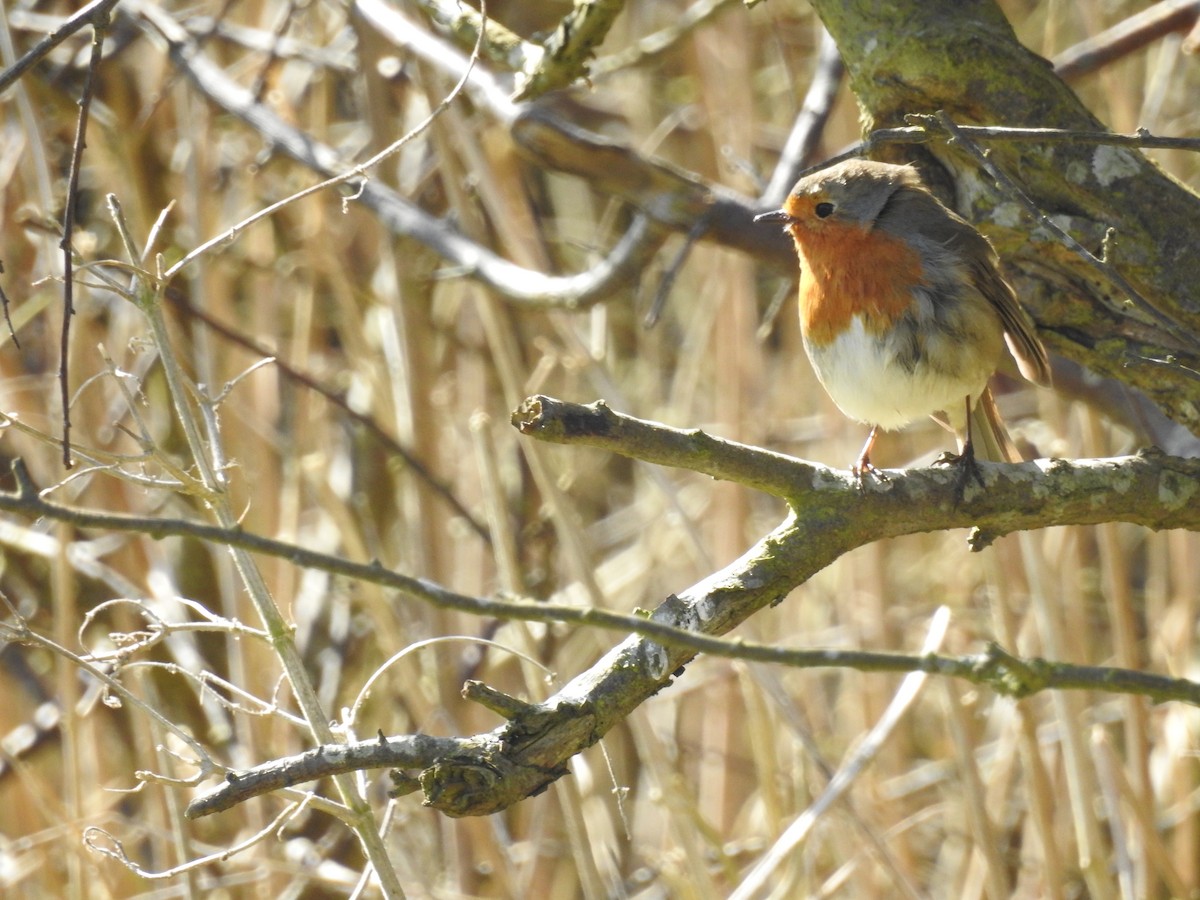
(776,215)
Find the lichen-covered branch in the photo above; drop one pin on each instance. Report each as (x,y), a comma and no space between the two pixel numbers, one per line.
(1149,489)
(570,48)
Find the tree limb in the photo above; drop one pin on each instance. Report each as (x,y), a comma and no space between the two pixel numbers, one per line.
(1149,489)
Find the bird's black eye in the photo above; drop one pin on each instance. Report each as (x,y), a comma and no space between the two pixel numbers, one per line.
(823,210)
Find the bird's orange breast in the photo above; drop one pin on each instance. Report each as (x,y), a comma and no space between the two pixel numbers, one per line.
(848,271)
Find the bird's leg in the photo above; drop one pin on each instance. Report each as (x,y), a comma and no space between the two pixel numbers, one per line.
(862,466)
(964,462)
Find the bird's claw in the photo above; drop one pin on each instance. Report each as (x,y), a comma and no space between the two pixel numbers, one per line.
(967,468)
(862,468)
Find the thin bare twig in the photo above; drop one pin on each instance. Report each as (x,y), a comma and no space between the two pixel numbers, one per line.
(94,838)
(175,34)
(360,171)
(99,21)
(16,629)
(7,318)
(95,14)
(663,291)
(923,134)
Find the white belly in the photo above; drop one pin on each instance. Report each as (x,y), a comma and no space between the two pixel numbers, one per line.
(866,379)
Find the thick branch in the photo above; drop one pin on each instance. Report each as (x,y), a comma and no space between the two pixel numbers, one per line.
(406,752)
(569,49)
(664,192)
(1149,489)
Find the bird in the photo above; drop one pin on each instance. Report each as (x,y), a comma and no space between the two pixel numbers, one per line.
(904,311)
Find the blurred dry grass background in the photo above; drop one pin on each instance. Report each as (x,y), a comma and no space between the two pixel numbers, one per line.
(683,798)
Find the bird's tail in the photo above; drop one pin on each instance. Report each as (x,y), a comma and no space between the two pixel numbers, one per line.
(988,434)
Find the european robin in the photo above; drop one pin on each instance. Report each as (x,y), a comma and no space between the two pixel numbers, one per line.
(903,310)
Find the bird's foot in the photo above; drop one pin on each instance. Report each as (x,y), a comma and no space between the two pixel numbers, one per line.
(967,468)
(864,468)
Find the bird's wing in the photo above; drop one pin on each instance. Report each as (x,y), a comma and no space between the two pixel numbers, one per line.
(916,211)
